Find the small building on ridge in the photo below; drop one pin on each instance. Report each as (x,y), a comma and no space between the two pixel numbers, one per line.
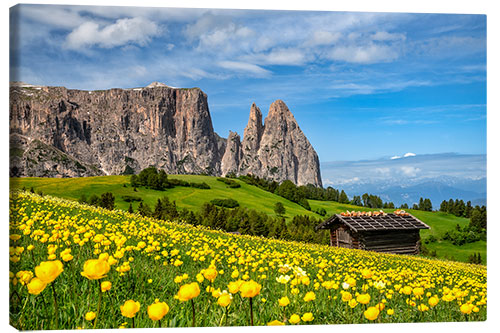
(397,232)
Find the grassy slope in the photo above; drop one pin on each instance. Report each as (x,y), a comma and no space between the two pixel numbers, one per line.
(185,197)
(247,195)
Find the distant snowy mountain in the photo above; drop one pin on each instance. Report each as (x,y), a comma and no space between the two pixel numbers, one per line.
(405,179)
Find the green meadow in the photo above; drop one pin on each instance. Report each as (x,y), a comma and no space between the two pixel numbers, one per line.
(247,195)
(185,197)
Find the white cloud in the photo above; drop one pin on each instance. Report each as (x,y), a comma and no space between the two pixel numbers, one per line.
(279,56)
(383,171)
(322,37)
(410,171)
(395,157)
(409,155)
(386,36)
(244,67)
(53,16)
(124,31)
(364,54)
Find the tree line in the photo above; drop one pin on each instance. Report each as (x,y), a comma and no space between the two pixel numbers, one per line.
(158,180)
(237,220)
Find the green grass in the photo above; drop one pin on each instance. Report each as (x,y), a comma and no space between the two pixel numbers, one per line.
(248,196)
(185,197)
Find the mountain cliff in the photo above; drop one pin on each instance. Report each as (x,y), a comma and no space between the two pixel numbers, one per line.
(278,149)
(59,132)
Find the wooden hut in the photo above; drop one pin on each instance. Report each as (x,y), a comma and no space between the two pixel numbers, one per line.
(397,232)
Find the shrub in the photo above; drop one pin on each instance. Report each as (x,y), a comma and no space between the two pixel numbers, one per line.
(227,203)
(131,198)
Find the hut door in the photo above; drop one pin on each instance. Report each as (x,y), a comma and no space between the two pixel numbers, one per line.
(343,238)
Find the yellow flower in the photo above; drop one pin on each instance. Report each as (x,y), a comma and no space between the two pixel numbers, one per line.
(308,316)
(224,300)
(216,292)
(294,319)
(157,310)
(24,277)
(105,286)
(352,303)
(283,301)
(363,298)
(418,291)
(407,290)
(422,307)
(210,274)
(95,269)
(305,280)
(275,323)
(433,301)
(372,313)
(310,296)
(15,237)
(188,291)
(390,312)
(130,308)
(90,316)
(67,257)
(48,271)
(234,286)
(250,289)
(366,273)
(466,308)
(346,296)
(36,286)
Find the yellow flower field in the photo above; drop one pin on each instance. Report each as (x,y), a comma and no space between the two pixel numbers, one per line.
(75,266)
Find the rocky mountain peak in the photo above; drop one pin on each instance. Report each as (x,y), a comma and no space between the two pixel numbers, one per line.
(59,132)
(279,111)
(156,84)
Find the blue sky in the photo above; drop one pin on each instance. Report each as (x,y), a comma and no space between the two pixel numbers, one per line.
(361,85)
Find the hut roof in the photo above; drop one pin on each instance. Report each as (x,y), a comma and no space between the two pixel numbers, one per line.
(375,223)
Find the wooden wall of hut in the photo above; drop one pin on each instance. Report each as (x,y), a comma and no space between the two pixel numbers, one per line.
(391,241)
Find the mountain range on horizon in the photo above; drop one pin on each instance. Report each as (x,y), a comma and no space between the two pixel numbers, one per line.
(60,132)
(407,178)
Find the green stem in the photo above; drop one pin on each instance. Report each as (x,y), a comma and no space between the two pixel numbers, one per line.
(251,312)
(227,313)
(194,313)
(19,322)
(56,309)
(98,304)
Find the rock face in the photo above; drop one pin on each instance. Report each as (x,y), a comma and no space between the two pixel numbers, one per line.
(232,155)
(278,150)
(59,132)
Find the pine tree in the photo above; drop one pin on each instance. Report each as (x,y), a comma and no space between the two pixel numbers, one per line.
(279,209)
(158,212)
(107,200)
(444,206)
(343,197)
